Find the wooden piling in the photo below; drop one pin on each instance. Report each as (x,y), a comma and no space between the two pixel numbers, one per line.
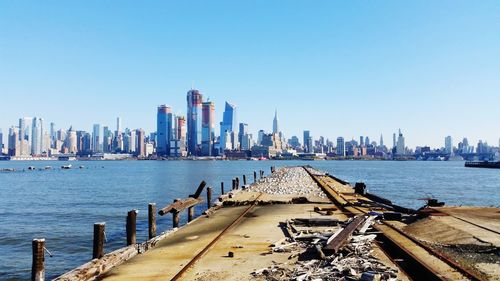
(244,179)
(152,220)
(175,216)
(209,197)
(38,260)
(131,227)
(254,176)
(234,185)
(98,249)
(190,214)
(222,188)
(237,182)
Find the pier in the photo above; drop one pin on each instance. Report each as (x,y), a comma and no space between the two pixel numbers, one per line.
(299,223)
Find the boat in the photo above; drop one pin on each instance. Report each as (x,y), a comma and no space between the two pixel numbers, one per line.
(483,164)
(66,167)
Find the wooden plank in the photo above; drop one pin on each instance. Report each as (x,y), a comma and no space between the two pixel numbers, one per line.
(316,221)
(180,205)
(343,237)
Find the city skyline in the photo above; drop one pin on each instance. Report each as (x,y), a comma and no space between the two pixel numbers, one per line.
(336,69)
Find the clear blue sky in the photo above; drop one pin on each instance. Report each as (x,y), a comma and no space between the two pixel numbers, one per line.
(337,68)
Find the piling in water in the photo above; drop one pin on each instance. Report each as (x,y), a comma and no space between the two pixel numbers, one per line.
(38,261)
(98,249)
(131,227)
(152,220)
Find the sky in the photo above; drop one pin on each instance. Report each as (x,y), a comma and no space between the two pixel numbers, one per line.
(336,68)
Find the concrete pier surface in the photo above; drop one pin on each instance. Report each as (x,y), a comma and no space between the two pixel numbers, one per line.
(284,227)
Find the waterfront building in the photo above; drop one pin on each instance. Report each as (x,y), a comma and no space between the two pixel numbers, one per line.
(400,147)
(132,143)
(361,141)
(381,140)
(275,123)
(96,138)
(208,128)
(448,145)
(181,128)
(1,142)
(141,145)
(35,137)
(307,146)
(70,145)
(194,101)
(164,120)
(340,147)
(228,125)
(367,141)
(13,142)
(294,142)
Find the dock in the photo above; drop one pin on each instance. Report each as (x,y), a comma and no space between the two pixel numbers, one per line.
(299,223)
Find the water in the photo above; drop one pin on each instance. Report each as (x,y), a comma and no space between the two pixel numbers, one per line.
(62,205)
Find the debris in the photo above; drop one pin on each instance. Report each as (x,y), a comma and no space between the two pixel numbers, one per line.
(230,255)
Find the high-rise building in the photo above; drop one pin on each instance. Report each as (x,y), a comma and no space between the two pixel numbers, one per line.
(141,144)
(71,142)
(307,136)
(381,140)
(340,146)
(361,141)
(448,145)
(53,135)
(367,141)
(207,128)
(13,142)
(118,125)
(394,140)
(260,136)
(228,125)
(36,136)
(400,147)
(275,123)
(243,130)
(107,140)
(96,139)
(164,120)
(194,100)
(181,128)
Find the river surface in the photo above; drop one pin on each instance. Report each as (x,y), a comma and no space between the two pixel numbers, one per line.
(62,205)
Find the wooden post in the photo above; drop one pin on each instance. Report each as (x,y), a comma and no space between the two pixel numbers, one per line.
(98,249)
(254,176)
(234,184)
(209,197)
(131,227)
(222,188)
(190,214)
(272,170)
(237,182)
(175,217)
(38,260)
(152,220)
(244,179)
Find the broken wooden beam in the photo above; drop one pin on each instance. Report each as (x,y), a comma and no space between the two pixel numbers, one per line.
(199,190)
(316,221)
(337,243)
(179,205)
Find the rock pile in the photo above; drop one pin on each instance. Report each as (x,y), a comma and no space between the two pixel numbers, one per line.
(288,181)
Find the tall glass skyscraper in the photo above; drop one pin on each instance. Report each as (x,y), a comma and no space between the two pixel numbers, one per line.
(96,138)
(207,128)
(228,125)
(164,121)
(194,100)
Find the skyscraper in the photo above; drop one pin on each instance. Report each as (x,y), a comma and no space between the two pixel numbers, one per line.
(207,128)
(361,141)
(36,136)
(194,100)
(307,136)
(400,147)
(13,142)
(275,123)
(448,145)
(381,140)
(340,146)
(243,130)
(141,145)
(53,135)
(228,125)
(164,120)
(394,140)
(1,142)
(96,138)
(118,125)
